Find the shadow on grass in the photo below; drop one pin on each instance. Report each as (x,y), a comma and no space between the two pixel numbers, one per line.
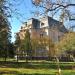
(30,65)
(18,73)
(33,65)
(69,73)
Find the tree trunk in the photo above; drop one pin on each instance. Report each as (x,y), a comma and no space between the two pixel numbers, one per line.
(58,66)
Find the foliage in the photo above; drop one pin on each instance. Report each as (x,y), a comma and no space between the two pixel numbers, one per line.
(17,43)
(5,35)
(11,50)
(67,43)
(51,6)
(27,43)
(63,9)
(8,8)
(43,43)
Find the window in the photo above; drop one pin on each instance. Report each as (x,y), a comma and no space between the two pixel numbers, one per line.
(42,24)
(21,27)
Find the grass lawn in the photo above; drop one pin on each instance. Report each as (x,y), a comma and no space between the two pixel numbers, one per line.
(35,68)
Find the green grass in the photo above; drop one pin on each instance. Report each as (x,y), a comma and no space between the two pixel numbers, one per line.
(35,68)
(25,71)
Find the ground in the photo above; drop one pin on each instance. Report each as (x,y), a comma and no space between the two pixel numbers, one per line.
(36,68)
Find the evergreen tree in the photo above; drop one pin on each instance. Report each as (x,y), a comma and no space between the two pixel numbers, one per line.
(5,33)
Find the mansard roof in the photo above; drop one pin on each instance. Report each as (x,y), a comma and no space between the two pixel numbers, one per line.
(56,24)
(52,23)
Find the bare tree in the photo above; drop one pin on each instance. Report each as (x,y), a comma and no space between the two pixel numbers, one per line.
(61,8)
(10,8)
(52,7)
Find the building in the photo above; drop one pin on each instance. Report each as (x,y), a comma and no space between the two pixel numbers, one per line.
(44,27)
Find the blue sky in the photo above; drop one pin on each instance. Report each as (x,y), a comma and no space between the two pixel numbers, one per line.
(25,9)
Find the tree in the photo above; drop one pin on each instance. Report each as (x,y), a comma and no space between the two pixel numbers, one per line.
(8,7)
(5,35)
(11,50)
(67,43)
(55,6)
(35,45)
(63,9)
(51,46)
(17,45)
(42,43)
(5,30)
(27,44)
(60,8)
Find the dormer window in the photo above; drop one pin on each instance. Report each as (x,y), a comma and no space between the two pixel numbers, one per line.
(25,23)
(21,27)
(42,24)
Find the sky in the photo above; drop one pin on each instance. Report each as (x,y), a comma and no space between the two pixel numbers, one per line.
(23,13)
(25,9)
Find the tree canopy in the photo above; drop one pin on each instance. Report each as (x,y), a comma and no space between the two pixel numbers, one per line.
(63,10)
(5,31)
(67,43)
(27,43)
